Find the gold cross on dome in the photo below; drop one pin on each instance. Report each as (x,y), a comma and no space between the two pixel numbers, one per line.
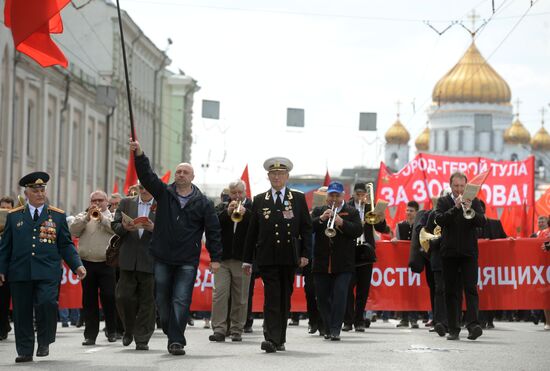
(518,103)
(473,17)
(398,105)
(542,112)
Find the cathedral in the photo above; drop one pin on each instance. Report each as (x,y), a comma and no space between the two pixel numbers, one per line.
(471,115)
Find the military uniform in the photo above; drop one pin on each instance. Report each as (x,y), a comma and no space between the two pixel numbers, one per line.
(30,260)
(279,235)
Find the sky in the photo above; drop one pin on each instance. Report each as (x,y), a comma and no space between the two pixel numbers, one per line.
(334,59)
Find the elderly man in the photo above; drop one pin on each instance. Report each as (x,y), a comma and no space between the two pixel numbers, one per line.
(279,235)
(35,239)
(135,291)
(230,283)
(459,219)
(114,201)
(93,229)
(183,215)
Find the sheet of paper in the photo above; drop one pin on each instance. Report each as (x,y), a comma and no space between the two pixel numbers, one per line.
(380,207)
(470,191)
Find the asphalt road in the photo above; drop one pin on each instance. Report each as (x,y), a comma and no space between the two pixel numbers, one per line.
(510,346)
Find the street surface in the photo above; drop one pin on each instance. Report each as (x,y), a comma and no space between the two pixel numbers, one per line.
(511,346)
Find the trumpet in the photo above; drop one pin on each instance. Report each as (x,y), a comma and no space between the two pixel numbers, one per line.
(95,215)
(237,215)
(371,217)
(468,213)
(330,231)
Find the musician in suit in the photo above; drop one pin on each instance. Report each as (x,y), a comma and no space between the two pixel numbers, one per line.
(230,294)
(36,238)
(135,289)
(355,307)
(279,235)
(459,219)
(334,256)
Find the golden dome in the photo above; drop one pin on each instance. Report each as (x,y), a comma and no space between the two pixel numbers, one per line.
(472,80)
(397,134)
(422,142)
(541,140)
(517,134)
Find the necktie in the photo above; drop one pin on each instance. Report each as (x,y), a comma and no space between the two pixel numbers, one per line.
(278,202)
(35,217)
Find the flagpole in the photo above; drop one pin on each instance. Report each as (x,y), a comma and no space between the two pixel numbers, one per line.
(132,131)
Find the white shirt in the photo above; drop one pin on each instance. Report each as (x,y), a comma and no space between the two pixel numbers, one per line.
(143,210)
(274,194)
(32,208)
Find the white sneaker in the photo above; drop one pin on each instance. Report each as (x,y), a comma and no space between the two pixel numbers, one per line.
(547,327)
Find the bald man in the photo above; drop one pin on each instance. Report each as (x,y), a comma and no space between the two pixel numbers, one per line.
(183,215)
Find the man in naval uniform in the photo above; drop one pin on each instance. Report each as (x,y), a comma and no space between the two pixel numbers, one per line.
(279,236)
(35,239)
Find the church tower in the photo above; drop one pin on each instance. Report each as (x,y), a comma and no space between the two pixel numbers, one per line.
(397,146)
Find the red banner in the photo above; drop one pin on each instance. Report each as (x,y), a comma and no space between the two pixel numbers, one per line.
(509,187)
(513,274)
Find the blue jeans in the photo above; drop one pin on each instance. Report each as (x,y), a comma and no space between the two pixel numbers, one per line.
(66,315)
(332,293)
(173,292)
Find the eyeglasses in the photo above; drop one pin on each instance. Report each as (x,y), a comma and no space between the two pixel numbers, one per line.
(98,200)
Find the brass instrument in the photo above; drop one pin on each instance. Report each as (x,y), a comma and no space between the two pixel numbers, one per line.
(95,215)
(371,217)
(425,237)
(468,213)
(21,200)
(237,215)
(330,231)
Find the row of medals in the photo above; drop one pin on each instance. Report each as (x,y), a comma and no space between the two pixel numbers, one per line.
(267,210)
(47,232)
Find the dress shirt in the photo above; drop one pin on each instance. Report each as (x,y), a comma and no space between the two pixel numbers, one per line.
(274,194)
(143,210)
(32,208)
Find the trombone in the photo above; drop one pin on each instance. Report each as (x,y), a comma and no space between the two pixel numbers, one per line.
(330,231)
(237,215)
(371,217)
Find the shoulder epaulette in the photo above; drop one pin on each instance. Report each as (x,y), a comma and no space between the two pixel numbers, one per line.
(53,208)
(18,208)
(296,190)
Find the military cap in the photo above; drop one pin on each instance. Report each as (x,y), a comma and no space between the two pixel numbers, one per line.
(38,179)
(278,164)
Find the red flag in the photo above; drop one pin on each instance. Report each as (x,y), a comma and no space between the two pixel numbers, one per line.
(524,229)
(31,22)
(131,174)
(326,182)
(479,179)
(246,180)
(542,205)
(115,187)
(166,177)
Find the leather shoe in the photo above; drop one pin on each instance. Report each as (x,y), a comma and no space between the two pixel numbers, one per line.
(236,337)
(88,342)
(440,329)
(403,324)
(474,332)
(142,346)
(312,329)
(176,349)
(359,328)
(127,339)
(346,327)
(268,346)
(281,347)
(248,330)
(43,351)
(335,337)
(367,322)
(20,359)
(453,336)
(294,322)
(217,337)
(326,336)
(111,338)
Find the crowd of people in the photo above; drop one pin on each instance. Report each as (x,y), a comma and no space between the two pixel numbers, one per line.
(158,231)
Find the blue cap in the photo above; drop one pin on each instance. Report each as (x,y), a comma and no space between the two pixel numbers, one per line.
(335,187)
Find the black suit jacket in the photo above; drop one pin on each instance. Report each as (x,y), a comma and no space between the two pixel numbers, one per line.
(492,230)
(458,235)
(273,238)
(336,254)
(134,251)
(233,242)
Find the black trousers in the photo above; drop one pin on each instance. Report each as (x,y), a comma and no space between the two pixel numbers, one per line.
(5,297)
(278,284)
(331,294)
(135,300)
(250,314)
(357,301)
(455,269)
(38,298)
(311,300)
(100,279)
(439,309)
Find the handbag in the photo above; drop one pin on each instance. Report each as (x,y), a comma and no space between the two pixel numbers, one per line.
(112,251)
(364,254)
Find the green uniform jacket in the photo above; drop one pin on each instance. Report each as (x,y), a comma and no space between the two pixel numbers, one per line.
(32,250)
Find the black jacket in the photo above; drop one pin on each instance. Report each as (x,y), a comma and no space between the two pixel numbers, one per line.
(274,239)
(178,231)
(134,251)
(492,230)
(458,235)
(337,254)
(233,242)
